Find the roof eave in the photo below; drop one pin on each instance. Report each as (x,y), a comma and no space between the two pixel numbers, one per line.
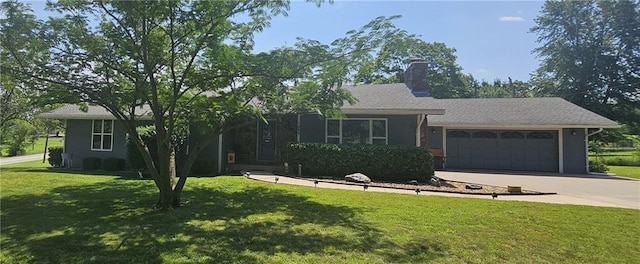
(515,126)
(365,111)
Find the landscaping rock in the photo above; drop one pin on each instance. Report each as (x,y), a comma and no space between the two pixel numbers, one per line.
(435,181)
(357,177)
(413,182)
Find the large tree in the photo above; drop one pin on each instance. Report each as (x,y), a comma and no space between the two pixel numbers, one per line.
(189,62)
(387,65)
(590,53)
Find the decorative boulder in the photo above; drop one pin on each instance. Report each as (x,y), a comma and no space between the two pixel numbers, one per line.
(435,181)
(357,177)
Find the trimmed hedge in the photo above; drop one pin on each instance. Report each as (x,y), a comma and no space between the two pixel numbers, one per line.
(91,163)
(113,164)
(55,156)
(379,162)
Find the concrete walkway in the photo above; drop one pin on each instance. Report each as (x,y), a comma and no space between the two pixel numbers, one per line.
(19,159)
(571,190)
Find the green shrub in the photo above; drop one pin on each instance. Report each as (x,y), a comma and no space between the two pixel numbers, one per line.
(597,167)
(621,161)
(113,164)
(379,162)
(55,156)
(91,163)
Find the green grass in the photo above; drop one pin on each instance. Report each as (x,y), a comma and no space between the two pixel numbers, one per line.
(627,171)
(53,217)
(38,146)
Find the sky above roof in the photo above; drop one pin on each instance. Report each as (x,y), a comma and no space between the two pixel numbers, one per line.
(492,38)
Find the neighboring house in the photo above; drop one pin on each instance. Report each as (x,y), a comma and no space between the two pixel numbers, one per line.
(525,134)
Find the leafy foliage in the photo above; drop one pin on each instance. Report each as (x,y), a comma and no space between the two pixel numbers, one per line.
(113,164)
(590,56)
(379,162)
(55,156)
(17,135)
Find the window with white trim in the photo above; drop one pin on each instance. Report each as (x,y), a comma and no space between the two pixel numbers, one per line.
(102,135)
(356,131)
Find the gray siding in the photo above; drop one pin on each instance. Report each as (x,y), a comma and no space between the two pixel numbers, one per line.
(574,152)
(434,140)
(78,142)
(401,129)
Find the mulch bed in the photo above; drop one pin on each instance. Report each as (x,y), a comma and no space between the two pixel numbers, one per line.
(445,186)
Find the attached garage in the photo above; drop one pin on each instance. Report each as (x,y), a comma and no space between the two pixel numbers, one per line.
(502,149)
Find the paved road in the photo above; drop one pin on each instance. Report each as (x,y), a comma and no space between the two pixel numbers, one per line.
(593,191)
(19,159)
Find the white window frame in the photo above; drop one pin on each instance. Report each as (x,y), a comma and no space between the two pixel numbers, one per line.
(102,134)
(371,137)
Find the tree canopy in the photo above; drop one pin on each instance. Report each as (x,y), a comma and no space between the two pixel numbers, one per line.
(590,53)
(190,62)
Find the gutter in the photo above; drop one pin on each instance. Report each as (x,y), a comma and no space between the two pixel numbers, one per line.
(586,144)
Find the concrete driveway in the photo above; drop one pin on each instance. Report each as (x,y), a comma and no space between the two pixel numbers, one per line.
(590,190)
(596,190)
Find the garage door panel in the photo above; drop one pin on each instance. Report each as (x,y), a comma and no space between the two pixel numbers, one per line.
(505,150)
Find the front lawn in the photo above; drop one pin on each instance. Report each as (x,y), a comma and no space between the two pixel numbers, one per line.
(50,217)
(627,171)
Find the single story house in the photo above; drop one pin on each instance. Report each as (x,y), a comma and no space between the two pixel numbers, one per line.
(517,134)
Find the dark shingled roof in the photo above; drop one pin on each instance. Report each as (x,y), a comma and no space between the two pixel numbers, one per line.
(517,113)
(71,111)
(395,98)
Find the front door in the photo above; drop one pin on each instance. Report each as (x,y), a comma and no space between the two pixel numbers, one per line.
(266,140)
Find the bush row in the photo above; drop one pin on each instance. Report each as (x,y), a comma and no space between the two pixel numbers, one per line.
(619,161)
(108,164)
(379,162)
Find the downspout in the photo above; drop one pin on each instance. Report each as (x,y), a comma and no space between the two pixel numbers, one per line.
(421,117)
(586,145)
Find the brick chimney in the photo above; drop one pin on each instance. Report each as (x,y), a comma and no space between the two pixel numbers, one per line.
(415,77)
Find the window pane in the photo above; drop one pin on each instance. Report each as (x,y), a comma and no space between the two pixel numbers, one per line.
(107,126)
(333,140)
(355,131)
(379,128)
(106,142)
(97,140)
(97,126)
(333,128)
(379,141)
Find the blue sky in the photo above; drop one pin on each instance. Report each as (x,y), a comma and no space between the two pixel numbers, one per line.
(492,38)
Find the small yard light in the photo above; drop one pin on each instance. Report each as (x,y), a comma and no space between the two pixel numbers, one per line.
(494,195)
(365,187)
(277,179)
(417,190)
(247,174)
(315,183)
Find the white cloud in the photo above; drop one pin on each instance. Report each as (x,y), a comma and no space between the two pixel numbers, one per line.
(483,71)
(511,19)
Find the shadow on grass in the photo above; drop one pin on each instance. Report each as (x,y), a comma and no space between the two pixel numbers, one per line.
(223,223)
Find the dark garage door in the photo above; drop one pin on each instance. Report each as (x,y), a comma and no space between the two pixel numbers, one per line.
(502,150)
